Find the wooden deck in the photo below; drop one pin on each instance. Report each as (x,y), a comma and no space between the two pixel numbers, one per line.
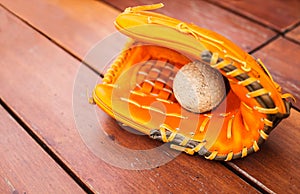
(42,44)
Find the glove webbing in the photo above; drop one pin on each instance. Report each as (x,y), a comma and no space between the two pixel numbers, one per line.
(155,78)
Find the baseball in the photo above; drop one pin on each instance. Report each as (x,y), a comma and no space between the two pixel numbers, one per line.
(198,87)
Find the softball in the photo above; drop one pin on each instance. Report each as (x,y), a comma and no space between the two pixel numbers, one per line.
(198,87)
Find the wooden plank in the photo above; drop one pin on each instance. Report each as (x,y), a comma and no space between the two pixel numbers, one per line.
(277,14)
(37,82)
(74,24)
(25,167)
(241,31)
(277,165)
(77,25)
(294,34)
(281,58)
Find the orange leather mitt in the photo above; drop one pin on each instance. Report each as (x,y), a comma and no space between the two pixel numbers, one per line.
(137,89)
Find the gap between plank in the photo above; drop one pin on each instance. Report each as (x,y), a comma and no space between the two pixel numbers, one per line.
(289,30)
(264,44)
(53,41)
(295,108)
(247,178)
(292,27)
(278,33)
(44,146)
(244,16)
(292,40)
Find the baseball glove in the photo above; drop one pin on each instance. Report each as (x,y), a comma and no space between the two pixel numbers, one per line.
(137,89)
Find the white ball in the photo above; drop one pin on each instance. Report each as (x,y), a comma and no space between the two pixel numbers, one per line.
(198,87)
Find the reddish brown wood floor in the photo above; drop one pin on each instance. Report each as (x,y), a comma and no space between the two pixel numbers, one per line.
(42,44)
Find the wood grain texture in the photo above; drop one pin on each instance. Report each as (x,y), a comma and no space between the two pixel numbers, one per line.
(239,30)
(281,58)
(277,165)
(25,167)
(277,14)
(294,34)
(78,25)
(37,81)
(74,24)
